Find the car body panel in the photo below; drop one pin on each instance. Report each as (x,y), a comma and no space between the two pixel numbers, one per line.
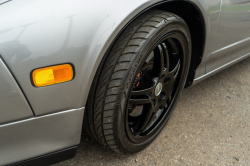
(211,11)
(230,43)
(63,32)
(232,35)
(40,135)
(13,105)
(45,33)
(209,74)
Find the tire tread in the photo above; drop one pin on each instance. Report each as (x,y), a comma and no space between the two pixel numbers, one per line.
(103,117)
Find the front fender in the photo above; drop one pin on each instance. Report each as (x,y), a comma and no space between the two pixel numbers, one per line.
(38,33)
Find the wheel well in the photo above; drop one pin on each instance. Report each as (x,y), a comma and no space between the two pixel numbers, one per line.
(195,21)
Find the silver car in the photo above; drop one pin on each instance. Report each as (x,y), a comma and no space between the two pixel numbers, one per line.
(114,69)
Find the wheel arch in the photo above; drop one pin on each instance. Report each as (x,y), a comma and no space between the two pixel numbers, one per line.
(198,21)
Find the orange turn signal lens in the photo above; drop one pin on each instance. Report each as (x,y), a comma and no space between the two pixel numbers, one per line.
(52,75)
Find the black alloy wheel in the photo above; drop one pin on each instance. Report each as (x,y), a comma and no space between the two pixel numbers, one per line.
(138,84)
(154,88)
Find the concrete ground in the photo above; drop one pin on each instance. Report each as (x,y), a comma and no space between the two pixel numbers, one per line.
(210,126)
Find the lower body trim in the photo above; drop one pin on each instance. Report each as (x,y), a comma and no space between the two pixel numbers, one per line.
(39,136)
(49,159)
(203,77)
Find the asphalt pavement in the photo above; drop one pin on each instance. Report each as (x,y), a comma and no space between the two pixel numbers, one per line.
(210,126)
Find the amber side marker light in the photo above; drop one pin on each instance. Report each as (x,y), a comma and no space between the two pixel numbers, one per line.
(52,75)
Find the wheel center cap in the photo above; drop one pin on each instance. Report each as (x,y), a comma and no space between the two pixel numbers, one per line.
(158,89)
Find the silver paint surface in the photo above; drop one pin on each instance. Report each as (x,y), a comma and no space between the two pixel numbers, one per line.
(70,31)
(232,38)
(40,135)
(35,33)
(13,105)
(211,11)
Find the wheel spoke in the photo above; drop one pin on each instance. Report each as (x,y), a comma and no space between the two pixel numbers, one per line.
(142,92)
(166,55)
(140,101)
(169,98)
(176,70)
(147,121)
(167,91)
(161,58)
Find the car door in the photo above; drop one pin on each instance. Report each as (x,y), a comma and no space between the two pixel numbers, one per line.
(232,38)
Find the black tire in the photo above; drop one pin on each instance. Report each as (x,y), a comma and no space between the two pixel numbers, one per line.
(106,118)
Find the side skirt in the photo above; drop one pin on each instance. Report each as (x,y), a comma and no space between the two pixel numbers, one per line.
(207,75)
(50,158)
